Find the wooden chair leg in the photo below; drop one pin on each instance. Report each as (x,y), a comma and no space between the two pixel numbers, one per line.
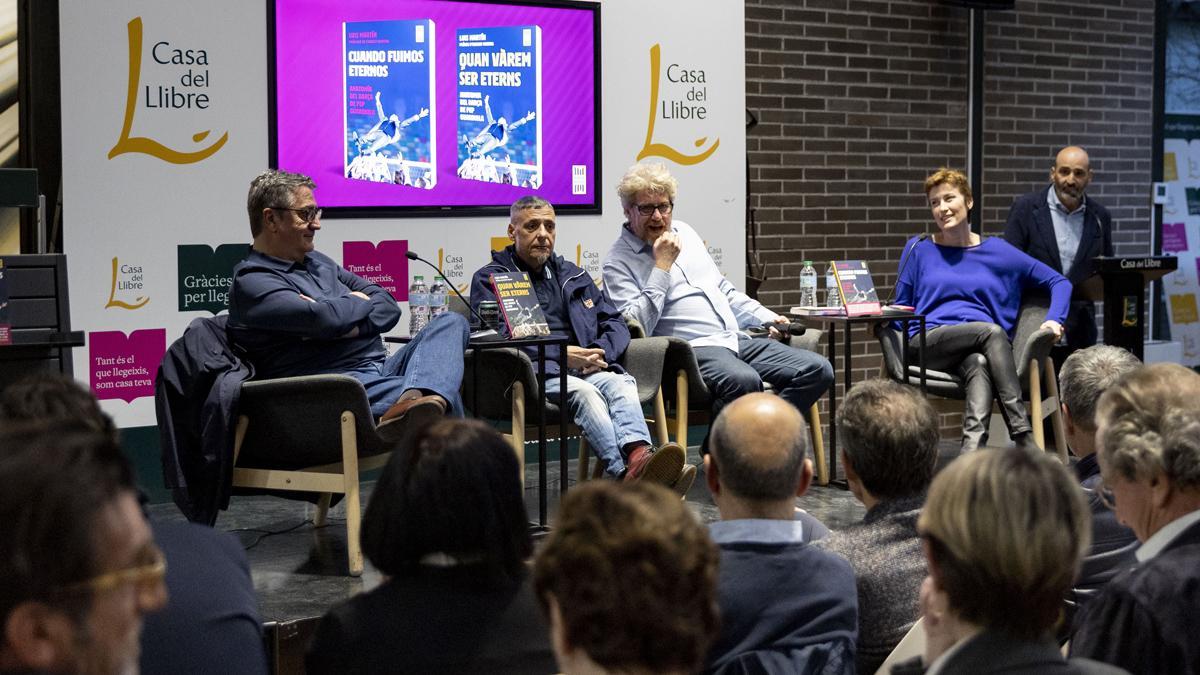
(681,408)
(353,507)
(1035,404)
(1056,417)
(322,517)
(660,418)
(518,428)
(814,423)
(584,460)
(239,435)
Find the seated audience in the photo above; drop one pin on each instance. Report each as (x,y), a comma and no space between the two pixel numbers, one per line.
(659,272)
(1085,375)
(889,438)
(627,580)
(970,290)
(297,312)
(602,397)
(446,525)
(786,605)
(78,562)
(212,614)
(1148,439)
(1004,531)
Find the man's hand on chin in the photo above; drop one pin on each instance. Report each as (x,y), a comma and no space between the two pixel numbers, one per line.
(666,250)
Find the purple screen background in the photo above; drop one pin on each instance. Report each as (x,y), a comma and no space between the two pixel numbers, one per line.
(309,103)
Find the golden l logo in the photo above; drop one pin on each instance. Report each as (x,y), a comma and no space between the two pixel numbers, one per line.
(132,281)
(149,146)
(654,149)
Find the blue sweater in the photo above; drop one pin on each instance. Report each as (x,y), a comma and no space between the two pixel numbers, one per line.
(952,285)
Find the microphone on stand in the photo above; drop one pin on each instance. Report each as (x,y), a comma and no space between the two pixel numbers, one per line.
(904,261)
(412,255)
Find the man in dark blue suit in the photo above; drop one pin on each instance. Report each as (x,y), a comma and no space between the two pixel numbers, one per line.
(1063,228)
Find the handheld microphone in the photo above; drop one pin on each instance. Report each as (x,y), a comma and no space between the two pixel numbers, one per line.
(412,255)
(791,329)
(904,261)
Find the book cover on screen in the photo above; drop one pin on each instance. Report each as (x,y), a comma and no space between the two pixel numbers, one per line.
(500,105)
(856,288)
(389,102)
(5,321)
(519,305)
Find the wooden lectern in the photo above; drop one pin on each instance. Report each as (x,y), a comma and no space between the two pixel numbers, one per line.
(1120,283)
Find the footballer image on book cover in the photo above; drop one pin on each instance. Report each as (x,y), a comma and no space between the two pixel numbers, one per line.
(500,105)
(520,307)
(389,96)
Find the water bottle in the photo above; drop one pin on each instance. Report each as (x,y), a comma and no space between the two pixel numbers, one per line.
(832,297)
(437,298)
(418,305)
(808,285)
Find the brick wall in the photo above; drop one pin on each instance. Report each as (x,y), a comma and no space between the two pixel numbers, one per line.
(858,100)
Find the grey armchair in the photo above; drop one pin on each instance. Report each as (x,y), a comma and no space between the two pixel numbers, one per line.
(1031,354)
(310,434)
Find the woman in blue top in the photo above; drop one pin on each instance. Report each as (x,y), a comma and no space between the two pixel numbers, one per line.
(970,289)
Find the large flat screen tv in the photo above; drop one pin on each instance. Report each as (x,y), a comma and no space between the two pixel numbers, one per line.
(423,107)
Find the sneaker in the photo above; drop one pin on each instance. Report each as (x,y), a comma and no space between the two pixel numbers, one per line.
(684,482)
(661,466)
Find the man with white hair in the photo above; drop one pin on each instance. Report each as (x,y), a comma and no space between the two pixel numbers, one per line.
(1148,435)
(660,273)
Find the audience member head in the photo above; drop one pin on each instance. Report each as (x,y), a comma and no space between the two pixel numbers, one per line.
(1004,534)
(1148,439)
(1085,375)
(77,557)
(450,494)
(53,397)
(757,464)
(628,581)
(952,177)
(889,436)
(284,217)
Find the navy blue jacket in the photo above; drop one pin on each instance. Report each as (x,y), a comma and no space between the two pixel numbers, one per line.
(594,319)
(1030,229)
(195,395)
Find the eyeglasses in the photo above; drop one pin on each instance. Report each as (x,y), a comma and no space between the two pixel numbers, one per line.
(308,214)
(1106,495)
(148,577)
(649,209)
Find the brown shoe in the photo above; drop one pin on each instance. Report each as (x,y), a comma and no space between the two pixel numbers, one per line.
(684,482)
(410,414)
(661,466)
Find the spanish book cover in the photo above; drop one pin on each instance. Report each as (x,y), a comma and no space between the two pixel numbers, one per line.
(500,105)
(389,95)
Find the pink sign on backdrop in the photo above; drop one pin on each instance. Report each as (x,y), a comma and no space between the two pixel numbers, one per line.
(385,264)
(124,367)
(1174,237)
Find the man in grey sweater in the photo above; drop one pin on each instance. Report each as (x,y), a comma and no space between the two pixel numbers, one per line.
(889,439)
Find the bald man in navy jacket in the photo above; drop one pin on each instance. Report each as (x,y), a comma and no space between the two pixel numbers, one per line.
(1063,228)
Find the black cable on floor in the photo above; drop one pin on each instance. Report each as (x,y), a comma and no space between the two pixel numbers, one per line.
(263,534)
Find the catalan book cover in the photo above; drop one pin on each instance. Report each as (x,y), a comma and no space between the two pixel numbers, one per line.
(500,105)
(519,305)
(390,102)
(856,288)
(5,313)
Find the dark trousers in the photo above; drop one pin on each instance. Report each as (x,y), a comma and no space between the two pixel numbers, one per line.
(982,356)
(798,375)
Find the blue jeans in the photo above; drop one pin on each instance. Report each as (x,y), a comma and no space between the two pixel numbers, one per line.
(432,362)
(605,406)
(798,375)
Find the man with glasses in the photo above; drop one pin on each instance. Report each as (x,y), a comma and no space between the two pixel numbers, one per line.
(296,312)
(1084,376)
(79,566)
(1063,228)
(660,273)
(602,396)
